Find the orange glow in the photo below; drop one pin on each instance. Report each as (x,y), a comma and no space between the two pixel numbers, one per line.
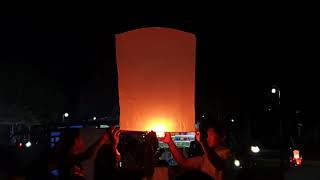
(156,78)
(296,154)
(158,125)
(298,161)
(159,129)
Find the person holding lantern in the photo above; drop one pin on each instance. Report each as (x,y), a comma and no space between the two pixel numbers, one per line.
(213,160)
(70,153)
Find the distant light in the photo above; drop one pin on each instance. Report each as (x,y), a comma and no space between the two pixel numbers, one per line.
(76,126)
(298,161)
(20,145)
(203,116)
(55,133)
(28,144)
(104,126)
(297,158)
(66,114)
(55,172)
(237,163)
(94,118)
(255,149)
(232,120)
(296,154)
(273,90)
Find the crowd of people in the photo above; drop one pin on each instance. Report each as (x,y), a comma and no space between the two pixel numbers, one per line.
(211,163)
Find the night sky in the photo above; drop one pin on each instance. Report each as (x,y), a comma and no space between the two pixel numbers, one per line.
(52,63)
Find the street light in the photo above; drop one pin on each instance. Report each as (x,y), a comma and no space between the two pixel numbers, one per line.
(255,149)
(94,118)
(65,115)
(236,163)
(275,89)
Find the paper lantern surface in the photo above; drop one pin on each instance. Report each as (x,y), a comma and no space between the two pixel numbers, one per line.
(156,78)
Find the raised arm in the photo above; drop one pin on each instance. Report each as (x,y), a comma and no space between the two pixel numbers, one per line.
(177,154)
(217,160)
(111,136)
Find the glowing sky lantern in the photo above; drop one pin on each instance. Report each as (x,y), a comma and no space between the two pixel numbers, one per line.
(296,154)
(156,77)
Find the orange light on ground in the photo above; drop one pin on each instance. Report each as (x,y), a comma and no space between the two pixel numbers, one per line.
(156,78)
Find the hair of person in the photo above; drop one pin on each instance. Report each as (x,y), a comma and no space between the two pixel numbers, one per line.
(67,140)
(219,128)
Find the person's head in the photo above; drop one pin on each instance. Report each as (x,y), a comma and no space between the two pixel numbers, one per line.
(152,139)
(215,135)
(72,141)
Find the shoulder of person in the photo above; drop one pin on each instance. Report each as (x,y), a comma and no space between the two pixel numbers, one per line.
(223,152)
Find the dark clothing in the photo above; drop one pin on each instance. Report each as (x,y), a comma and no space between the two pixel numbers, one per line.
(71,168)
(105,165)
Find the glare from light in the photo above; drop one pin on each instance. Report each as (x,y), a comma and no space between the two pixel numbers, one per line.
(232,120)
(273,90)
(203,116)
(237,163)
(255,149)
(298,162)
(159,129)
(94,118)
(28,144)
(102,126)
(66,114)
(296,154)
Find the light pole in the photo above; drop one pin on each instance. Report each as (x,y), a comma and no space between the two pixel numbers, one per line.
(275,89)
(65,115)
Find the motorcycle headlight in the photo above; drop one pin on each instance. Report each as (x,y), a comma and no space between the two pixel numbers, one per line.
(237,163)
(255,149)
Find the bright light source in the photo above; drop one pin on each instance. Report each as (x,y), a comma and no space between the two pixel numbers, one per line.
(297,158)
(237,163)
(273,90)
(66,114)
(296,154)
(28,144)
(255,149)
(159,129)
(298,162)
(20,145)
(102,126)
(232,120)
(203,116)
(94,118)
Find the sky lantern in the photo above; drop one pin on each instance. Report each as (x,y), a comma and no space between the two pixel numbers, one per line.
(156,79)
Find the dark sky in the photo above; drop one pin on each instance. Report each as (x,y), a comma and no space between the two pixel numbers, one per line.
(52,63)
